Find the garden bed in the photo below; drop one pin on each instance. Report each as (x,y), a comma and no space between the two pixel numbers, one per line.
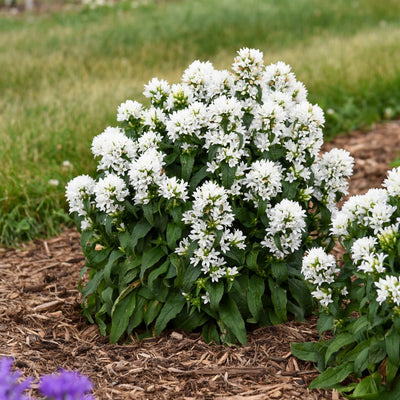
(40,324)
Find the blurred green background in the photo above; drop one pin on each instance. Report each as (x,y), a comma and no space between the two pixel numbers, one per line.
(65,67)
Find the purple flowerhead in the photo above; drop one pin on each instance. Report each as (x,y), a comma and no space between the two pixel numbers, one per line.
(66,385)
(11,386)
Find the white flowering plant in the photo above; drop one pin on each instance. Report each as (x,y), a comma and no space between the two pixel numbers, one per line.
(205,202)
(359,297)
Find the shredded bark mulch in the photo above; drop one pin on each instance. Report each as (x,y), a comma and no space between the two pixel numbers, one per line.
(42,329)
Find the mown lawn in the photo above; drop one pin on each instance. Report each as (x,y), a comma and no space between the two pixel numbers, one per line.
(63,74)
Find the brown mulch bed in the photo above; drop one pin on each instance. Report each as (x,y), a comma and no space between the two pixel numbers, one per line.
(41,326)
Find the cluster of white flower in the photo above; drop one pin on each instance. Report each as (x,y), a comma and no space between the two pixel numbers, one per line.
(148,179)
(248,67)
(367,259)
(331,172)
(129,109)
(286,225)
(374,215)
(371,211)
(157,91)
(116,150)
(321,270)
(227,131)
(211,220)
(187,125)
(388,289)
(264,180)
(110,192)
(77,191)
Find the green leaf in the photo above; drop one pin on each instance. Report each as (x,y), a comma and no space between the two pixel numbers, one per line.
(151,310)
(216,291)
(150,258)
(279,299)
(307,351)
(156,273)
(300,292)
(391,372)
(359,325)
(190,276)
(114,256)
(189,322)
(174,233)
(251,260)
(392,341)
(325,323)
(341,340)
(170,310)
(361,361)
(365,387)
(254,296)
(198,177)
(376,353)
(279,271)
(108,225)
(122,311)
(290,189)
(92,284)
(332,376)
(187,162)
(140,230)
(148,211)
(231,317)
(210,333)
(137,316)
(227,175)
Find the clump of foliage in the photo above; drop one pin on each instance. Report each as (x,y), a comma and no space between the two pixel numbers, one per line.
(360,300)
(205,202)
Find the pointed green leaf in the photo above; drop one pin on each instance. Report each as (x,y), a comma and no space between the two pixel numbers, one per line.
(393,347)
(332,376)
(150,258)
(231,317)
(254,295)
(151,310)
(187,162)
(174,233)
(279,299)
(121,314)
(228,175)
(114,256)
(307,351)
(170,310)
(140,230)
(157,272)
(216,291)
(337,343)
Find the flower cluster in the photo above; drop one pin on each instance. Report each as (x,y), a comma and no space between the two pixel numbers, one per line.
(284,233)
(221,168)
(360,300)
(319,268)
(212,214)
(61,386)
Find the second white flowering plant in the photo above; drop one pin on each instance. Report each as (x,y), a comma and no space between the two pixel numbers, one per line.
(205,202)
(359,298)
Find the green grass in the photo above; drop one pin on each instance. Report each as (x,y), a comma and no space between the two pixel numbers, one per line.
(64,74)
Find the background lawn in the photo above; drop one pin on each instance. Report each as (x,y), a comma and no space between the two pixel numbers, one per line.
(64,73)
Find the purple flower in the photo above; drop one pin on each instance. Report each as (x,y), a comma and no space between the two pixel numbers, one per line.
(66,385)
(10,387)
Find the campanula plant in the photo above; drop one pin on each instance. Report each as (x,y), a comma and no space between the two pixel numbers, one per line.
(205,201)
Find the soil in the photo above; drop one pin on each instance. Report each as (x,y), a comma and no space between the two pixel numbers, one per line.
(42,329)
